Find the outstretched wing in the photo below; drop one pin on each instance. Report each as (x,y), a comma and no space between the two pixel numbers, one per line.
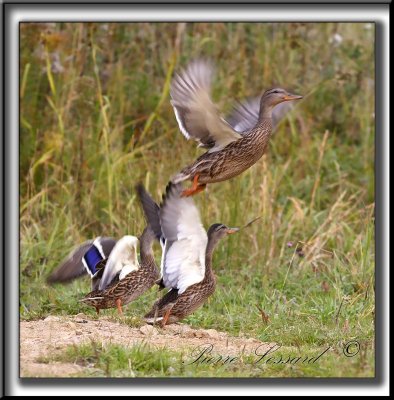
(72,266)
(195,112)
(245,114)
(186,240)
(151,210)
(122,260)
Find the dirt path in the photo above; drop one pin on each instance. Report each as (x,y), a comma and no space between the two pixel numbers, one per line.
(39,339)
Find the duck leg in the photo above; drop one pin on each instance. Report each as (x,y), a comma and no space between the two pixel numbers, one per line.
(196,188)
(166,316)
(97,311)
(119,306)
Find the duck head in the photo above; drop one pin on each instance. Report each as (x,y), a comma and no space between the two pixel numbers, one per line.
(273,97)
(218,231)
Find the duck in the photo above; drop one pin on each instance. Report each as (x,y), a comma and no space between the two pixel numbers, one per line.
(124,278)
(234,143)
(117,277)
(186,266)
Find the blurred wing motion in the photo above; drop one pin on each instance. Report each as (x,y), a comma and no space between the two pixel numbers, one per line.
(122,260)
(73,267)
(152,216)
(195,112)
(151,210)
(280,111)
(185,240)
(245,114)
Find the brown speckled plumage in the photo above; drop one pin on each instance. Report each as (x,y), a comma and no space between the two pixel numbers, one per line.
(234,143)
(180,306)
(234,159)
(183,305)
(132,285)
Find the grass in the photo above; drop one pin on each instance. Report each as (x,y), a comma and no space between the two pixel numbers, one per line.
(95,119)
(116,361)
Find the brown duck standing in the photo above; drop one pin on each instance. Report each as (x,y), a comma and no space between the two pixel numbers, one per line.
(117,276)
(234,144)
(116,290)
(187,255)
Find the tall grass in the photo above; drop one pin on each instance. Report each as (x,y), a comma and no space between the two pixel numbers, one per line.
(95,119)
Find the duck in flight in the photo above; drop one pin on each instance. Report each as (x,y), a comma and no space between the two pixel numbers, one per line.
(234,143)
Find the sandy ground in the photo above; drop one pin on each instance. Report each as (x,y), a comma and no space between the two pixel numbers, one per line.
(42,338)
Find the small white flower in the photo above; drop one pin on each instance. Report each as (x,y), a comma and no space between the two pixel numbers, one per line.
(368,26)
(336,39)
(171,370)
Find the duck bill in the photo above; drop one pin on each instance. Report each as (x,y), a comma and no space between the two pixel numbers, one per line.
(289,96)
(232,230)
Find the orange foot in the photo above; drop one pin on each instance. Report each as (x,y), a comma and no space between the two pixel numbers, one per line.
(119,306)
(166,316)
(196,188)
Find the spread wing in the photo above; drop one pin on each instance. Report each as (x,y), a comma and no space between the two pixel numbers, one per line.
(195,112)
(186,240)
(245,114)
(151,210)
(72,267)
(122,260)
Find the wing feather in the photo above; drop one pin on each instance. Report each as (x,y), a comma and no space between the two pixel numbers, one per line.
(151,210)
(245,114)
(72,266)
(194,110)
(186,240)
(122,261)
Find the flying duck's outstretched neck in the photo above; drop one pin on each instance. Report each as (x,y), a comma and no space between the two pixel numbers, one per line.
(265,109)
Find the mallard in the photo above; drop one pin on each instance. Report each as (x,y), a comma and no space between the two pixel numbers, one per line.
(187,255)
(124,278)
(117,276)
(234,143)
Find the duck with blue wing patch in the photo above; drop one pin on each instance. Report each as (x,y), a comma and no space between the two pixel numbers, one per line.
(125,278)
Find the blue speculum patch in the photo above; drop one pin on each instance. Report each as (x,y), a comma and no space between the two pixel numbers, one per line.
(91,258)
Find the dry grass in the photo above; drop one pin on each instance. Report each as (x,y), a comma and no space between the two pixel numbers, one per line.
(96,119)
